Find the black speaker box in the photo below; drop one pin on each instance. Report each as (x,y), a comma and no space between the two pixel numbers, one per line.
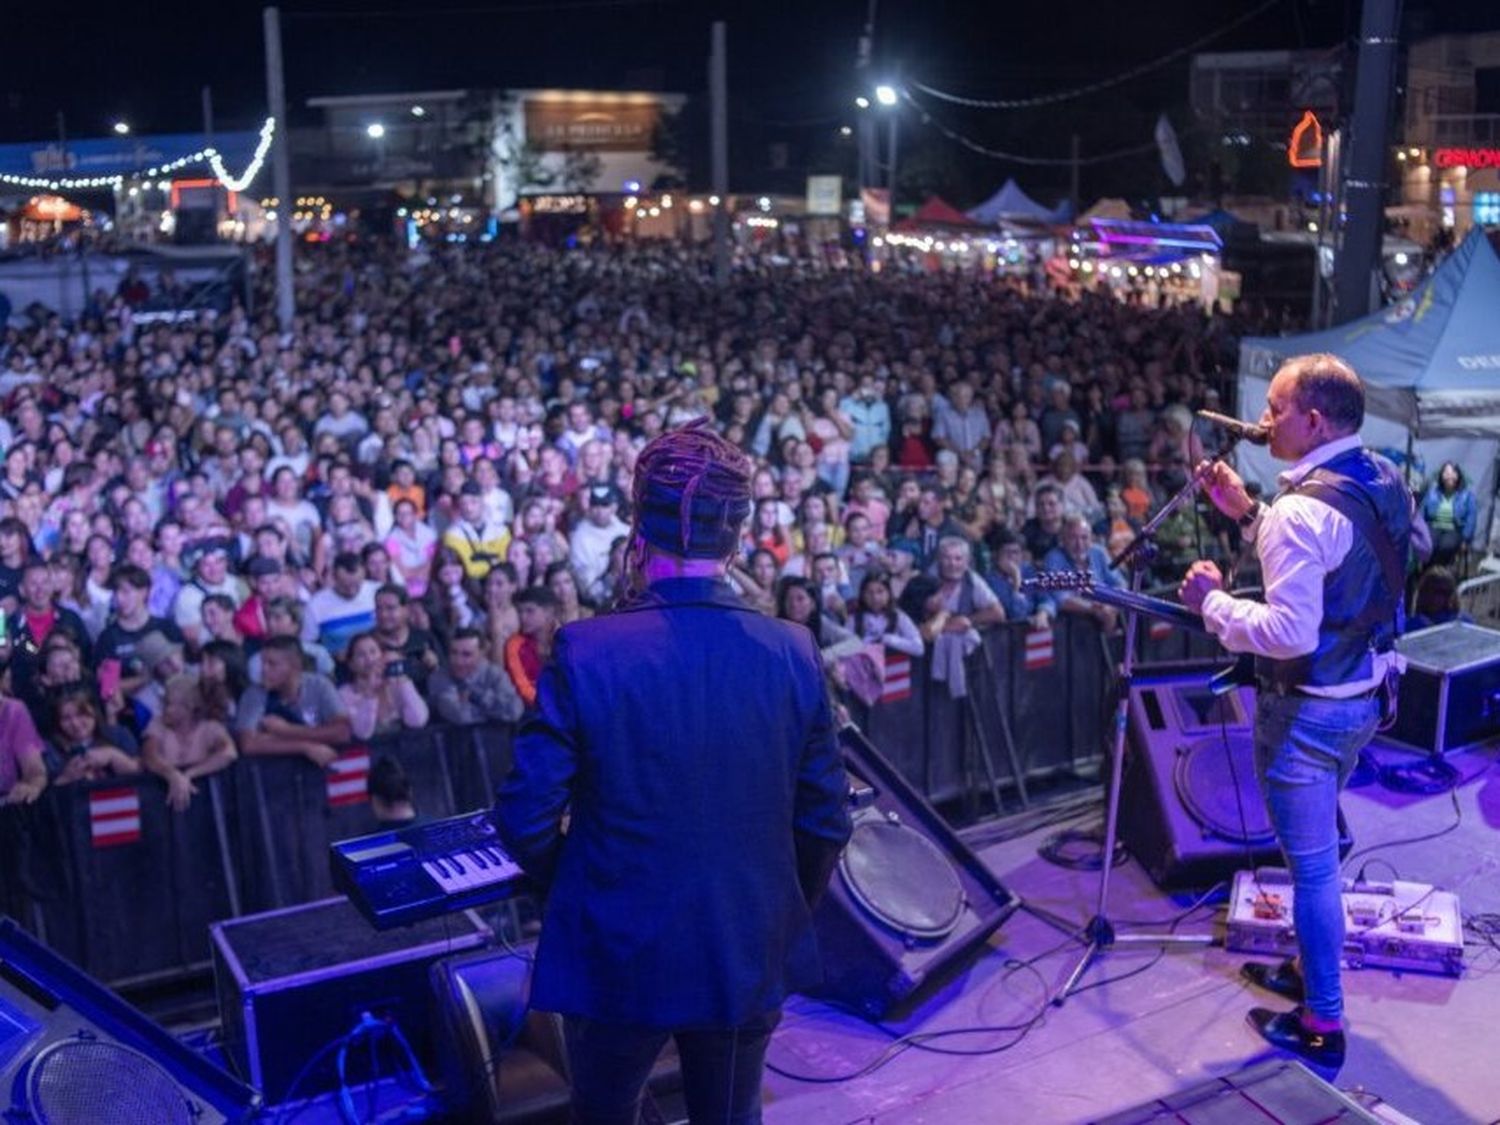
(292,981)
(909,903)
(1191,811)
(74,1053)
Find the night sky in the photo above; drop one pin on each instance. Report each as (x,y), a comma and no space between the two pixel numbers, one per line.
(791,65)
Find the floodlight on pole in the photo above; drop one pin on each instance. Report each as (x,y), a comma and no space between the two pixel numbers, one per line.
(862,102)
(122,128)
(375,129)
(886,95)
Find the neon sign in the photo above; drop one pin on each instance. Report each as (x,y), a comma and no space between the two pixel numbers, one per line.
(1466,158)
(1305,149)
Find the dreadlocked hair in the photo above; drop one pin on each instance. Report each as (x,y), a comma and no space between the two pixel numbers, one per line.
(691,492)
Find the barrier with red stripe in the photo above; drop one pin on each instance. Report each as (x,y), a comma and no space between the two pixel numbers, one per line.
(1041,649)
(349,777)
(897,683)
(114,817)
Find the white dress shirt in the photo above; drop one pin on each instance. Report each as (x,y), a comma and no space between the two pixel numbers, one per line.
(1299,541)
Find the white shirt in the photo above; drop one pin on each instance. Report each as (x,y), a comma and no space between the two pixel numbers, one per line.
(1299,541)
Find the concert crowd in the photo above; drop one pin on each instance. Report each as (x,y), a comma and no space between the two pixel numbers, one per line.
(218,539)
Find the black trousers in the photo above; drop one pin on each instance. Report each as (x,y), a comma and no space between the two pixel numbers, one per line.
(721,1069)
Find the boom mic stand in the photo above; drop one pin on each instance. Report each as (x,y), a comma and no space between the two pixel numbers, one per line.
(1101,933)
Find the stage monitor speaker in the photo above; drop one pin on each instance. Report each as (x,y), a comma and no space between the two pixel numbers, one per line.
(74,1053)
(505,1063)
(910,902)
(1274,1092)
(1191,811)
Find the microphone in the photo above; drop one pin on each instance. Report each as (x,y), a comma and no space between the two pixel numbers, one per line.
(1240,431)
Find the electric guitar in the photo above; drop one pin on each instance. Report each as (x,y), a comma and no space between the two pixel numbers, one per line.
(1081,582)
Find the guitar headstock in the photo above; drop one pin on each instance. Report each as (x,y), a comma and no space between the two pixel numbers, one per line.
(1052,581)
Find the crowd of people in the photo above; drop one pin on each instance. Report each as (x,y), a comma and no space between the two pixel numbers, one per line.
(217,538)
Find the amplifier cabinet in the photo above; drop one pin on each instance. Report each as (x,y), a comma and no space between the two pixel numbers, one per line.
(290,982)
(1450,694)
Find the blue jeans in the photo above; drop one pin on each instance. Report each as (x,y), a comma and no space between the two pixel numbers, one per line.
(1305,749)
(721,1069)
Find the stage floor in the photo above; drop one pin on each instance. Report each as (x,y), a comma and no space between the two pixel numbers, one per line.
(1425,1045)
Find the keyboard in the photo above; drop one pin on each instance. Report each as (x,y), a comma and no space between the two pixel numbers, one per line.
(408,874)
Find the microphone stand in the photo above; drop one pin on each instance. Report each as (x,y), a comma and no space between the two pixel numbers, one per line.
(1100,932)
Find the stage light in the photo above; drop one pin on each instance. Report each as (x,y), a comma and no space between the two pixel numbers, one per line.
(122,128)
(885,95)
(375,130)
(418,111)
(862,102)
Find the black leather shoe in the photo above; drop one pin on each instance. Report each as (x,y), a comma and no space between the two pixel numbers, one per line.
(1284,979)
(1285,1031)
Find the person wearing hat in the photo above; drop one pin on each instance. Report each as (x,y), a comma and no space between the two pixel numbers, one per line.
(210,570)
(478,543)
(654,727)
(589,545)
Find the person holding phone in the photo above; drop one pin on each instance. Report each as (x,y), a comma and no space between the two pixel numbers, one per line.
(380,696)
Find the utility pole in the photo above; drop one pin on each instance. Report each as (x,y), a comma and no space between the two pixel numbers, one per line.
(865,128)
(281,171)
(1364,174)
(718,91)
(1073,175)
(893,132)
(208,116)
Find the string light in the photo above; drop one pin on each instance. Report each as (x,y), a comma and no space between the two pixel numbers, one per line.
(209,155)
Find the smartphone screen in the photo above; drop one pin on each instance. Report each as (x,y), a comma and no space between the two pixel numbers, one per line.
(109,678)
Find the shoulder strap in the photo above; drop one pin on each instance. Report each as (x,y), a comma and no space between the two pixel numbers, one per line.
(1359,509)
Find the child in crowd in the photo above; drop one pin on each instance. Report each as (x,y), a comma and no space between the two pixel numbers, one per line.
(87,754)
(183,744)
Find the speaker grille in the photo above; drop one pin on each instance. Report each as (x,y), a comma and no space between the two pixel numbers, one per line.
(901,878)
(87,1082)
(1206,785)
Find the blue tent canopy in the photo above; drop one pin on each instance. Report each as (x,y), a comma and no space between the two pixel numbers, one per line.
(1010,202)
(1430,362)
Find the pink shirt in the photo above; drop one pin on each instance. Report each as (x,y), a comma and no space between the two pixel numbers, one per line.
(18,739)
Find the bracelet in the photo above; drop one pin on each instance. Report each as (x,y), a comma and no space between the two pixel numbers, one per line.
(1250,516)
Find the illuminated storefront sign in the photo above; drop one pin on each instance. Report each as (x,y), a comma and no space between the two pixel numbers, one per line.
(593,122)
(1466,158)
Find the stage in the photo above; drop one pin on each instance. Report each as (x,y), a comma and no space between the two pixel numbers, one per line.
(1423,1044)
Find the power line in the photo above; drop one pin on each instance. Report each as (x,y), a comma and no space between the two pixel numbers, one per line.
(1018,158)
(1102,84)
(492,10)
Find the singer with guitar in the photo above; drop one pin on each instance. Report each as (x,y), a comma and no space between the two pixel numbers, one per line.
(1332,547)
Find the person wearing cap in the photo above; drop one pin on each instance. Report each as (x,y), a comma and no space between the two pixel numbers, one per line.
(654,727)
(588,546)
(210,570)
(478,543)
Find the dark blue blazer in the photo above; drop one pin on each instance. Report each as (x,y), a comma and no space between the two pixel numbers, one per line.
(692,740)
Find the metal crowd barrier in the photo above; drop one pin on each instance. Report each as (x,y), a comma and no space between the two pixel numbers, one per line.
(109,876)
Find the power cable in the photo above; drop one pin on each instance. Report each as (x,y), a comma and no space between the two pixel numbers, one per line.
(1103,83)
(1018,158)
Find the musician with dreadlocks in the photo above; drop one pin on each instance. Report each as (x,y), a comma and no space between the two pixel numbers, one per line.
(692,741)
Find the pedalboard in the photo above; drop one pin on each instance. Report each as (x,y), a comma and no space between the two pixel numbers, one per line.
(1397,925)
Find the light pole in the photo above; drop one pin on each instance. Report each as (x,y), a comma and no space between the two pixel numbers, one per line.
(888,98)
